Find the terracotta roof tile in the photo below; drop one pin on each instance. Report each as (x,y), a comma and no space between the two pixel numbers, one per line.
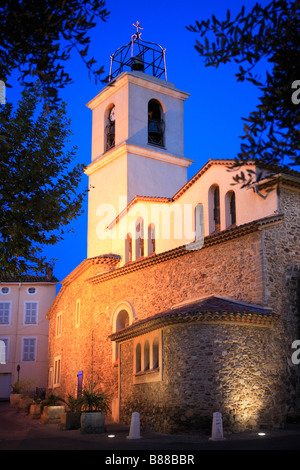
(209,310)
(6,278)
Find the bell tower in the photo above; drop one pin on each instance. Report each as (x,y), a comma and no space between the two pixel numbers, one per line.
(137,137)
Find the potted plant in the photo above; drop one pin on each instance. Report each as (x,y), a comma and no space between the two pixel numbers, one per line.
(52,409)
(95,403)
(70,419)
(16,394)
(35,409)
(22,391)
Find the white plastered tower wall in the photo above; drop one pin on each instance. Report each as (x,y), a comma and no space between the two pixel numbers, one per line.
(132,166)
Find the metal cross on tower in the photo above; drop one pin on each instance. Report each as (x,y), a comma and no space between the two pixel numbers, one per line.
(137,25)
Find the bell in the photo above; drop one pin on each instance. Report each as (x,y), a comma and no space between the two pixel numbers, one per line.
(137,64)
(153,127)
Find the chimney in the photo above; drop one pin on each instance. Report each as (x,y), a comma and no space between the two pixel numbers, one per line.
(49,272)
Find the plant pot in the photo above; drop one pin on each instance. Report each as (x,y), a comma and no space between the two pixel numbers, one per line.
(35,411)
(92,422)
(24,404)
(14,399)
(51,414)
(70,420)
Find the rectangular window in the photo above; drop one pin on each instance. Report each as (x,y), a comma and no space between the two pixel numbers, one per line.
(29,350)
(58,324)
(57,371)
(30,313)
(5,313)
(4,344)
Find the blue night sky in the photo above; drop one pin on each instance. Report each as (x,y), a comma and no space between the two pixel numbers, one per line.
(213,112)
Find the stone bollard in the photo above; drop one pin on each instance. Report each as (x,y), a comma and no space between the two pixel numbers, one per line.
(134,432)
(217,428)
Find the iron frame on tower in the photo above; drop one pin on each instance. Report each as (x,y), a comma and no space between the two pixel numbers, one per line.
(138,55)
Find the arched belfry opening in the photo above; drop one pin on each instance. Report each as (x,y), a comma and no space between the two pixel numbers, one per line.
(155,123)
(110,127)
(214,208)
(139,55)
(230,209)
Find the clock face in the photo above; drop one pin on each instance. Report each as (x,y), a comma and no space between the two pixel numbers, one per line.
(112,114)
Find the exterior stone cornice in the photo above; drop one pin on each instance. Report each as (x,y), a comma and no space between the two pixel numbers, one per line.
(144,80)
(124,148)
(136,200)
(286,180)
(210,163)
(109,260)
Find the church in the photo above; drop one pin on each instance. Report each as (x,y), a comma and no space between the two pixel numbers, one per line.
(188,301)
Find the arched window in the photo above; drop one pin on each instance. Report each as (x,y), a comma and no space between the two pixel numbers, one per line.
(217,208)
(151,239)
(230,209)
(147,361)
(146,356)
(109,127)
(214,209)
(139,238)
(128,248)
(3,350)
(122,316)
(155,350)
(122,321)
(155,123)
(138,358)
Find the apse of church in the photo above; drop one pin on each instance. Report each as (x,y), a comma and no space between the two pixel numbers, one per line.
(185,304)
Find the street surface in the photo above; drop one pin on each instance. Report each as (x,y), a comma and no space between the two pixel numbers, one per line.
(19,432)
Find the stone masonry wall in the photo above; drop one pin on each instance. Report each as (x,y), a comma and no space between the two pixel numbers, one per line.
(261,267)
(230,269)
(233,369)
(281,247)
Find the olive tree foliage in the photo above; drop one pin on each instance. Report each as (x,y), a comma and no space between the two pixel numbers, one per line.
(39,181)
(37,39)
(267,34)
(38,184)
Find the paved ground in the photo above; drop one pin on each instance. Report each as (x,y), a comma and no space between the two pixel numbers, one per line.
(19,432)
